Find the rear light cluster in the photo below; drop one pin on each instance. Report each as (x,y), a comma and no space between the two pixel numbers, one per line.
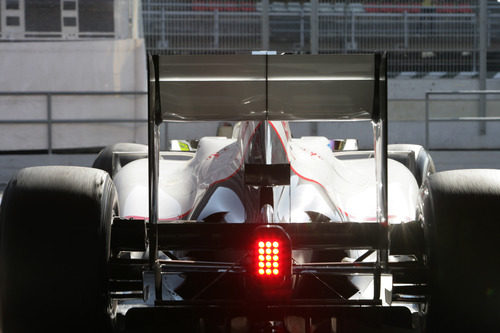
(270,266)
(268,254)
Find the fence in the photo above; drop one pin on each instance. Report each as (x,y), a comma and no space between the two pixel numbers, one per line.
(422,39)
(49,121)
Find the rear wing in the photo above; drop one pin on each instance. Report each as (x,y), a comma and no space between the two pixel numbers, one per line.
(268,87)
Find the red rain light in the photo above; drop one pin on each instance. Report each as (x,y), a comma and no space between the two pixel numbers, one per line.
(269,262)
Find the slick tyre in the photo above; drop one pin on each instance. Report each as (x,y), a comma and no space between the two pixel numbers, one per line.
(130,152)
(463,230)
(54,250)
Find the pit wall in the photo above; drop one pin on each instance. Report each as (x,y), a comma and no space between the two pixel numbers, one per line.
(407,113)
(72,66)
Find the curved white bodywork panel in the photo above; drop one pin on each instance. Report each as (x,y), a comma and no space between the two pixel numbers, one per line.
(321,182)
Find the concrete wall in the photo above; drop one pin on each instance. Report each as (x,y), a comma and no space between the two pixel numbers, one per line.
(72,66)
(407,98)
(407,113)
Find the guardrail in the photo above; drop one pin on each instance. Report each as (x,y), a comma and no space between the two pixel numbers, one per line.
(482,118)
(49,121)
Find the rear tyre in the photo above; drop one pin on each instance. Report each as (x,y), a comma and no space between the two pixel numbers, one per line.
(54,249)
(131,152)
(463,231)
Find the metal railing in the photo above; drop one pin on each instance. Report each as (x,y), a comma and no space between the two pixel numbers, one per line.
(49,121)
(481,118)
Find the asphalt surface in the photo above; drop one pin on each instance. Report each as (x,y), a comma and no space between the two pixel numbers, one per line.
(471,159)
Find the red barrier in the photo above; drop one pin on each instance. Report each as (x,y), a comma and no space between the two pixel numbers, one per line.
(454,9)
(391,8)
(441,9)
(234,6)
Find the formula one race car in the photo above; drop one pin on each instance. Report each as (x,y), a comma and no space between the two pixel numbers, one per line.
(261,232)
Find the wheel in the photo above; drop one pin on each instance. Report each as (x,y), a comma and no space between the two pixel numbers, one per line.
(132,152)
(54,249)
(415,158)
(462,226)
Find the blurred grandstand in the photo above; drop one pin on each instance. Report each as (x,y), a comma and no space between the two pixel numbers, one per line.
(422,37)
(440,37)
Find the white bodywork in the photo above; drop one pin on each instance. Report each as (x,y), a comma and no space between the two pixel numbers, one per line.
(341,187)
(324,186)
